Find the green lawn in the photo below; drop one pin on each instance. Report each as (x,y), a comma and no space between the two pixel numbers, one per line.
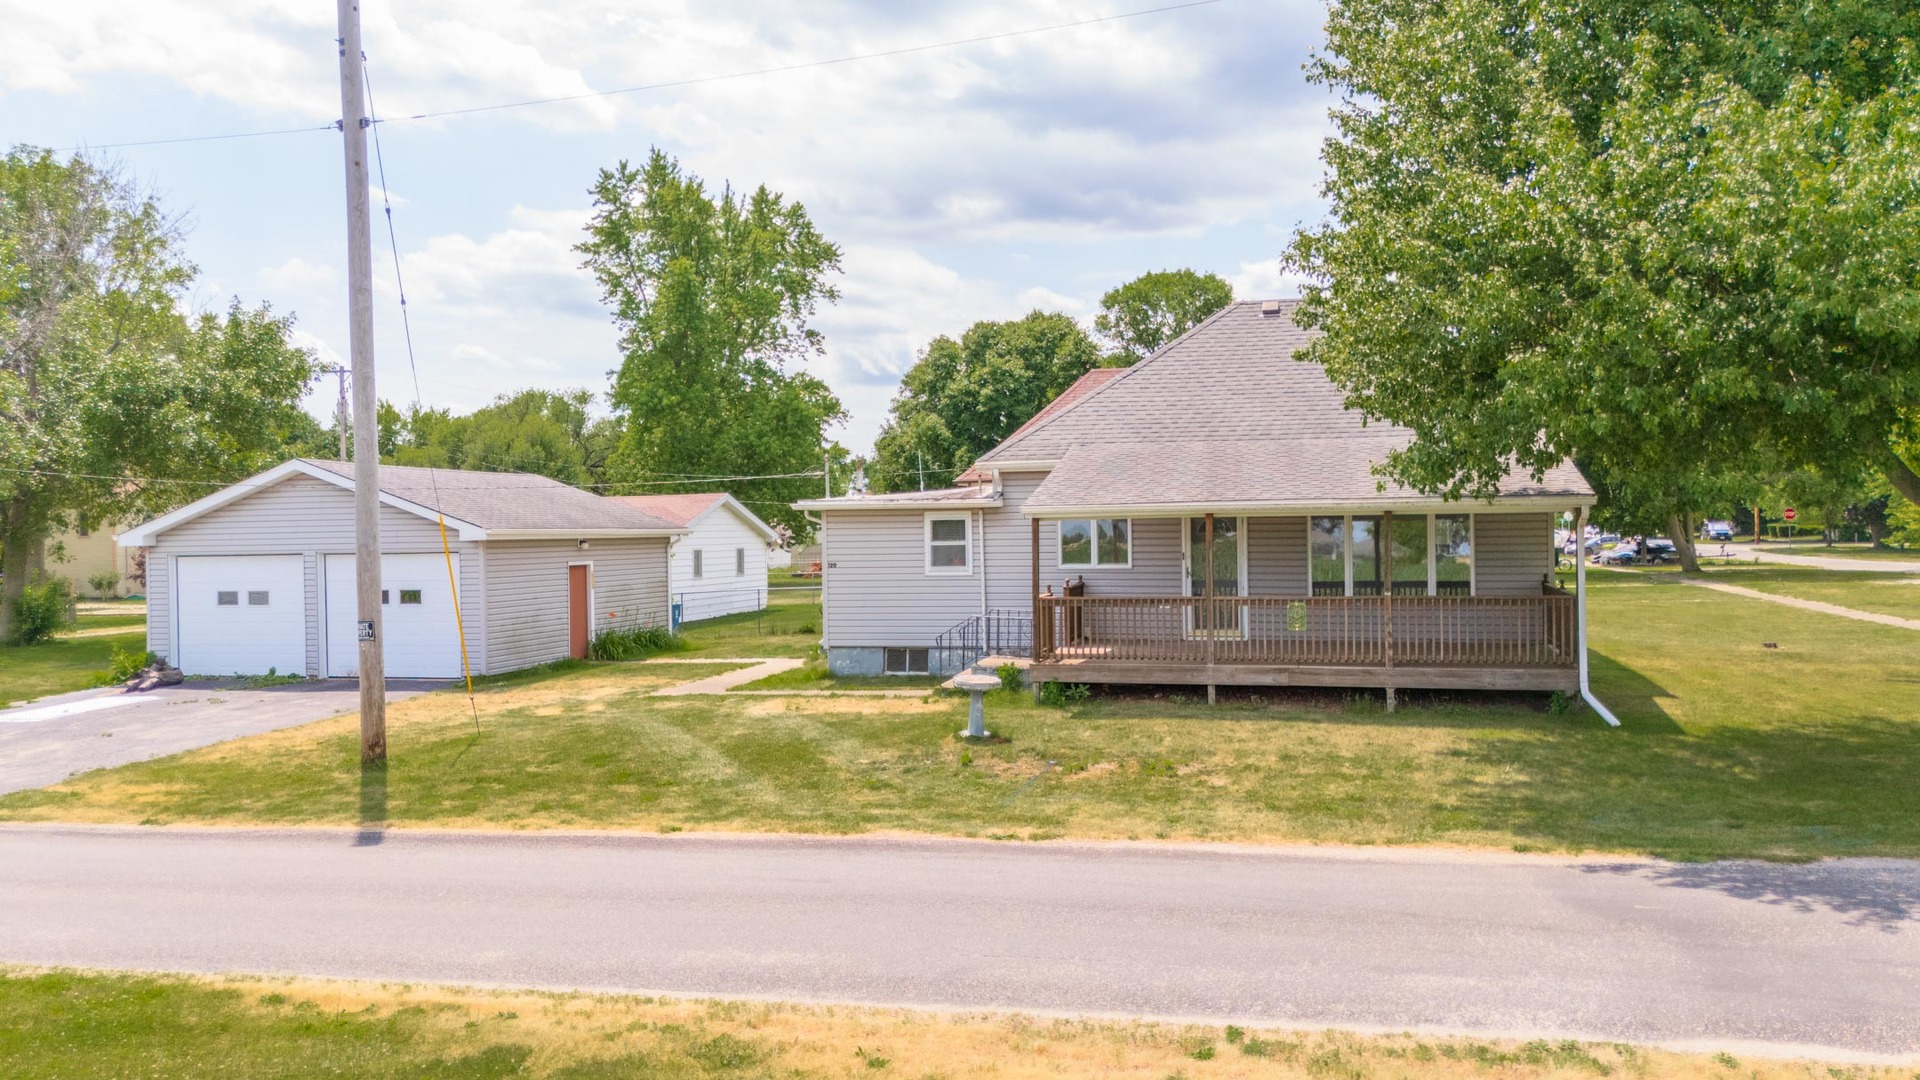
(789,627)
(1836,551)
(66,1025)
(1887,594)
(58,666)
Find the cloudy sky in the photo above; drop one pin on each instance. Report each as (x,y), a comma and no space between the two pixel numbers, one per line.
(977,181)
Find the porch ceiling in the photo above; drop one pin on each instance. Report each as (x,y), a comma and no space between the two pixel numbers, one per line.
(1293,475)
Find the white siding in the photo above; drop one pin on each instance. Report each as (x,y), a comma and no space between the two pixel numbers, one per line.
(873,565)
(526,594)
(298,516)
(1512,553)
(1156,555)
(720,591)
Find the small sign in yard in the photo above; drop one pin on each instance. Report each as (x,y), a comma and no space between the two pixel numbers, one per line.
(366,630)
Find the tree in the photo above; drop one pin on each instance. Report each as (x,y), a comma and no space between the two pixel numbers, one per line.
(548,432)
(1153,309)
(713,295)
(1666,240)
(113,403)
(962,398)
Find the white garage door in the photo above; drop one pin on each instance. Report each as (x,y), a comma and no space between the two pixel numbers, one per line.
(241,614)
(416,617)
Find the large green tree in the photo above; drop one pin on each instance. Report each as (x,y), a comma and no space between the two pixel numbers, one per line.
(963,397)
(1153,309)
(112,402)
(713,294)
(550,432)
(1672,240)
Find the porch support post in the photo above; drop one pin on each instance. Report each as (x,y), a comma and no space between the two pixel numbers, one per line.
(1033,594)
(1386,593)
(1213,622)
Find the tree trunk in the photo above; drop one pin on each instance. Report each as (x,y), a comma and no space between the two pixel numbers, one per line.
(1902,477)
(18,553)
(1678,531)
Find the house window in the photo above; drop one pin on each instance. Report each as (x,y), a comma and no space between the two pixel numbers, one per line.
(949,541)
(384,598)
(227,599)
(410,596)
(257,598)
(1096,542)
(1428,555)
(906,662)
(739,562)
(1452,555)
(699,563)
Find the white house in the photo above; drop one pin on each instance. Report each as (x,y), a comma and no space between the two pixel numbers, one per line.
(260,575)
(1210,515)
(720,566)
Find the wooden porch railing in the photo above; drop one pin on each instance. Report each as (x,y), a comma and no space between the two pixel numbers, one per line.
(1357,631)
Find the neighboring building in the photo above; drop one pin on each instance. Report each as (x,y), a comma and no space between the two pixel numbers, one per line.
(1209,515)
(720,566)
(260,575)
(85,552)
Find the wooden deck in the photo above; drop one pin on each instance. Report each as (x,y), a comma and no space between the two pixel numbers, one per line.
(1440,642)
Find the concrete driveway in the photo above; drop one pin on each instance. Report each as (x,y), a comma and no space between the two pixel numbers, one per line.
(1821,958)
(53,738)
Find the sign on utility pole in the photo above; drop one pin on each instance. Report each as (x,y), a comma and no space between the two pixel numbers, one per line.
(366,421)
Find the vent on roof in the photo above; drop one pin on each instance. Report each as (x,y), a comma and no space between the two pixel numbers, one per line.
(1269,307)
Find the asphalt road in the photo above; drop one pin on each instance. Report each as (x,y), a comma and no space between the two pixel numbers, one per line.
(1746,956)
(44,742)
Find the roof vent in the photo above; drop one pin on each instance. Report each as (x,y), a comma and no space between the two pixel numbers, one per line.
(1269,307)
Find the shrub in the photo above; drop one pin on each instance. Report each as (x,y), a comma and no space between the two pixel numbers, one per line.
(636,644)
(1061,694)
(125,664)
(1010,676)
(103,582)
(41,610)
(1560,703)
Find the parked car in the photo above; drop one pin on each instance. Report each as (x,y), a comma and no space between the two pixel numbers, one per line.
(1717,530)
(1619,555)
(1659,551)
(1597,543)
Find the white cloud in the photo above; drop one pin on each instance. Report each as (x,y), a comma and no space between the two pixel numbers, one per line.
(1265,280)
(296,274)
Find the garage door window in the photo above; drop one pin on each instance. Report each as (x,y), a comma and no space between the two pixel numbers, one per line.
(409,596)
(227,599)
(257,598)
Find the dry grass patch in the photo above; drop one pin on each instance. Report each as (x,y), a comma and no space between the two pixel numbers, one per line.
(59,1024)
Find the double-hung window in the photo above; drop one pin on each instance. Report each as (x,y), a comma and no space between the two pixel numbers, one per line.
(949,543)
(1094,542)
(1425,555)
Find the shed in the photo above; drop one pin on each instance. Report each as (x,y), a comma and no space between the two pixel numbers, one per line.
(720,566)
(259,575)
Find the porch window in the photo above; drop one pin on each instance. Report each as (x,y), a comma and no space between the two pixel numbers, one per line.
(1408,542)
(1452,555)
(1096,542)
(1327,542)
(1363,555)
(949,541)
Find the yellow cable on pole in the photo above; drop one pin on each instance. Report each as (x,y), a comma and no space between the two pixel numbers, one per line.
(458,624)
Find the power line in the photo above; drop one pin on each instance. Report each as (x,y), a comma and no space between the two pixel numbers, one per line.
(671,84)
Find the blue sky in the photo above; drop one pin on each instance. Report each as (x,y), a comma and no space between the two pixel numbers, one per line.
(980,181)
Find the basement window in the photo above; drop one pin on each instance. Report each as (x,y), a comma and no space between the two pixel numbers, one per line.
(906,662)
(409,596)
(257,598)
(227,599)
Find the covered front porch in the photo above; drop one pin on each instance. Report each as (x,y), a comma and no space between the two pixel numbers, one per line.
(1354,597)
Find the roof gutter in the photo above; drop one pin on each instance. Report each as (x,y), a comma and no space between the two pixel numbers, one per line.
(579,534)
(917,504)
(1508,504)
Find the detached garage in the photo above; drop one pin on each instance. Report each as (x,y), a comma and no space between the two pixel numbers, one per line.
(259,576)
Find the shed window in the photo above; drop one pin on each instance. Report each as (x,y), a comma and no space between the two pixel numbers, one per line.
(949,542)
(257,598)
(410,596)
(699,563)
(906,662)
(739,562)
(227,599)
(1096,542)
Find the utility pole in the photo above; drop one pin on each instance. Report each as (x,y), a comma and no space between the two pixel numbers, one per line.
(366,420)
(922,458)
(826,470)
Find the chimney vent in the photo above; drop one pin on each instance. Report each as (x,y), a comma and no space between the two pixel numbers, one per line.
(1269,308)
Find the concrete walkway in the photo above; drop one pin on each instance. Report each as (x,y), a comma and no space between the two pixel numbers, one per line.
(1805,605)
(720,684)
(1749,957)
(1782,557)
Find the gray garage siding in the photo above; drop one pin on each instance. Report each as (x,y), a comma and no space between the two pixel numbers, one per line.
(298,516)
(526,594)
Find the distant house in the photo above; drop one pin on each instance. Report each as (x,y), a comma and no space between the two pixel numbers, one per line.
(1209,515)
(260,575)
(88,551)
(720,566)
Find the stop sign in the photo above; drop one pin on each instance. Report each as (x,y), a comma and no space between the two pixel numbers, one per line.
(1787,513)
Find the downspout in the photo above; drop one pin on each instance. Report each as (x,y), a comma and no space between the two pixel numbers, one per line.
(1580,613)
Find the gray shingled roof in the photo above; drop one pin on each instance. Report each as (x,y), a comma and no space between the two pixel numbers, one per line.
(505,501)
(1308,472)
(1227,389)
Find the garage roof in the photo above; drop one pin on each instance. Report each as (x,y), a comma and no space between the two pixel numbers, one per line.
(480,505)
